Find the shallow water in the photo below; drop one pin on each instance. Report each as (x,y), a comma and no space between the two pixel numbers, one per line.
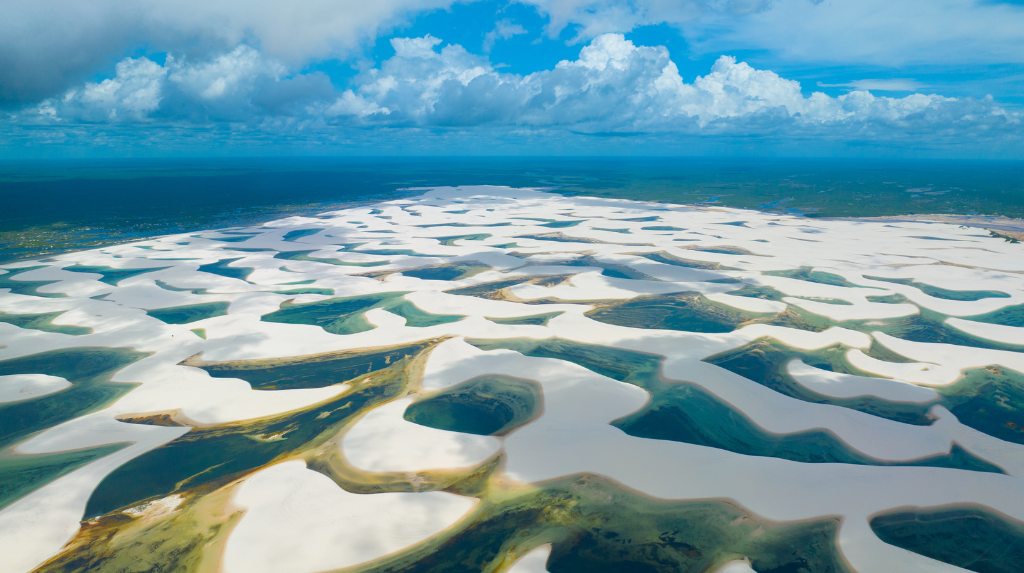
(971,538)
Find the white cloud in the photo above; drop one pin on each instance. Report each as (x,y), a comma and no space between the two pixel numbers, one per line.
(887,85)
(880,32)
(504,29)
(47,46)
(613,87)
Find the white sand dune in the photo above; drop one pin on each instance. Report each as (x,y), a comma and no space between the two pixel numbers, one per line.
(293,514)
(300,521)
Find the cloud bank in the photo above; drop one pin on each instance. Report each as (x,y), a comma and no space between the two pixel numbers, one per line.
(46,46)
(613,87)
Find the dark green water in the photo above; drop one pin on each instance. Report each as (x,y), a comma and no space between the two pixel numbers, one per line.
(18,285)
(971,538)
(312,372)
(89,371)
(190,313)
(55,206)
(215,455)
(684,412)
(337,315)
(44,322)
(596,526)
(486,405)
(110,275)
(943,293)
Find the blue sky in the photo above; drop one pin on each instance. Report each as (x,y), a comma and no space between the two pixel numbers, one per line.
(575,77)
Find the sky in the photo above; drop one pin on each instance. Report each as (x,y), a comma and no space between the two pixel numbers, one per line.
(845,78)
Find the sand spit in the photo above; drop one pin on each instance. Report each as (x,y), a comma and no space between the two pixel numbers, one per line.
(910,307)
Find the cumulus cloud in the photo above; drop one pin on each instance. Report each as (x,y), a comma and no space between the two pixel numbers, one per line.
(504,29)
(613,86)
(47,46)
(880,32)
(887,85)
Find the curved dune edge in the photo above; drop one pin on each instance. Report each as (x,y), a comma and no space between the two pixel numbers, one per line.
(293,513)
(572,436)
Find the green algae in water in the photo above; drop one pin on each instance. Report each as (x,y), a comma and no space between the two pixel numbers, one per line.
(189,313)
(1009,316)
(669,259)
(451,272)
(239,239)
(888,299)
(533,319)
(200,332)
(727,250)
(216,455)
(685,412)
(43,321)
(595,525)
(22,474)
(609,269)
(87,369)
(968,537)
(990,400)
(928,326)
(415,316)
(692,312)
(939,292)
(337,315)
(561,224)
(689,312)
(764,361)
(490,405)
(987,399)
(299,233)
(450,241)
(810,275)
(28,288)
(398,252)
(761,292)
(304,256)
(172,288)
(306,291)
(224,269)
(110,275)
(312,371)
